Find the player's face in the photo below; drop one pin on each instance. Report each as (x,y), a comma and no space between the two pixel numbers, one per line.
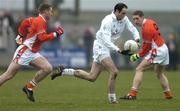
(48,13)
(121,14)
(138,20)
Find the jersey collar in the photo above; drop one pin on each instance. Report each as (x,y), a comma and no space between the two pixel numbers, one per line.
(113,16)
(42,17)
(144,21)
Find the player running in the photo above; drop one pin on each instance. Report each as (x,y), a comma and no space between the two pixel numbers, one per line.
(27,53)
(111,28)
(155,53)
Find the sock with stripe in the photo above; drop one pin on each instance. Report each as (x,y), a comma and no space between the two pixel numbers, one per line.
(31,85)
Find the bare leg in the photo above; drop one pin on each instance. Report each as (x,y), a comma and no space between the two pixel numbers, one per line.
(160,75)
(113,71)
(10,72)
(163,80)
(45,69)
(44,66)
(95,72)
(109,65)
(139,73)
(92,75)
(137,79)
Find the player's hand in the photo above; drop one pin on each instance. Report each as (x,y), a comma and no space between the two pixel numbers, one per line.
(19,39)
(134,57)
(59,31)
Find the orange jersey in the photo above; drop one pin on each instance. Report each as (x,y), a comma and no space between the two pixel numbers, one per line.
(25,25)
(151,37)
(37,34)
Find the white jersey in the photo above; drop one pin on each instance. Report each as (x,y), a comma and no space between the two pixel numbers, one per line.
(111,29)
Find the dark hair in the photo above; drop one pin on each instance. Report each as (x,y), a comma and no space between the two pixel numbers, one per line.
(44,7)
(120,6)
(138,12)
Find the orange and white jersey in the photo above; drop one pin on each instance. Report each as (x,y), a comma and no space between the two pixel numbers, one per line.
(154,48)
(159,55)
(24,26)
(23,55)
(37,34)
(151,37)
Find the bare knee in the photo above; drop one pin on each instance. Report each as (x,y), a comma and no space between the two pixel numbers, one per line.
(159,75)
(114,74)
(48,69)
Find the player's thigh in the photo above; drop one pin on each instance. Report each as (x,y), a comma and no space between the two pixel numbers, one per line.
(41,63)
(144,65)
(13,68)
(158,68)
(109,64)
(95,69)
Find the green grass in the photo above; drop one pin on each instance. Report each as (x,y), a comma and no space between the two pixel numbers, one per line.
(72,94)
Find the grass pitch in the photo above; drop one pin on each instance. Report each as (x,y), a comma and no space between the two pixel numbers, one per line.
(72,94)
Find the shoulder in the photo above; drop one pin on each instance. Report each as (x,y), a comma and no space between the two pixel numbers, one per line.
(30,19)
(107,19)
(38,20)
(148,24)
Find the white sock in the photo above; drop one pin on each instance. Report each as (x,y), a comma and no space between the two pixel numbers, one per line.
(33,83)
(134,88)
(69,72)
(112,97)
(166,89)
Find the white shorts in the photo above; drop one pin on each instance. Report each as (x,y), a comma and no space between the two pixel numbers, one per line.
(159,55)
(100,52)
(23,55)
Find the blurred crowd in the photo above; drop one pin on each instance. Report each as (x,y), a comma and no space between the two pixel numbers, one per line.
(173,51)
(7,26)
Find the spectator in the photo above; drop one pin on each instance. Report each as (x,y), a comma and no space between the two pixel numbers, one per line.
(6,29)
(88,38)
(173,54)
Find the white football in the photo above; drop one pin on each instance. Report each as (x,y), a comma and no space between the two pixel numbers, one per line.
(131,45)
